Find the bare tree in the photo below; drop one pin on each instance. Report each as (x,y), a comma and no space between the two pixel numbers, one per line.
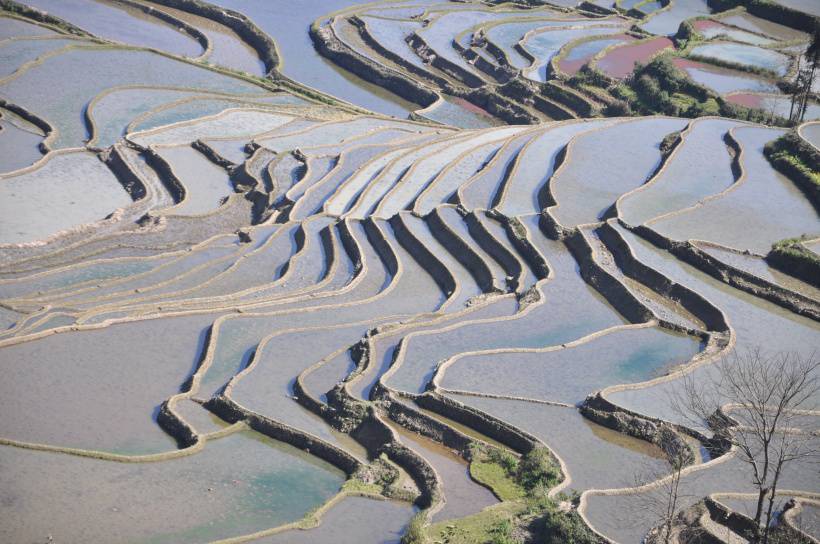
(664,497)
(756,403)
(805,79)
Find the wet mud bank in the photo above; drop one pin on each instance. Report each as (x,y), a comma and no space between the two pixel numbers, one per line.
(231,412)
(378,438)
(694,303)
(128,179)
(26,115)
(263,44)
(166,175)
(462,252)
(441,274)
(489,426)
(331,47)
(612,290)
(730,275)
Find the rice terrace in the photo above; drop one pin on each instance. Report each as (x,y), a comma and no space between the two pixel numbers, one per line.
(410,271)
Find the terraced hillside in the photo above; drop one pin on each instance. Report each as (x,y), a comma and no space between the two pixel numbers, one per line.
(404,271)
(473,65)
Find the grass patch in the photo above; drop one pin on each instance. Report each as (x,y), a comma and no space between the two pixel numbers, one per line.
(497,469)
(525,513)
(492,523)
(354,485)
(497,479)
(415,533)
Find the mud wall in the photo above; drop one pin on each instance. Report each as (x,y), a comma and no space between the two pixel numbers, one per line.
(388,54)
(425,52)
(698,306)
(495,249)
(766,9)
(425,425)
(378,438)
(423,256)
(745,281)
(128,179)
(231,412)
(517,234)
(263,44)
(41,17)
(461,251)
(487,425)
(166,175)
(176,427)
(603,282)
(329,46)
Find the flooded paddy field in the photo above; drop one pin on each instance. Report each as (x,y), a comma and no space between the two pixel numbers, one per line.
(411,271)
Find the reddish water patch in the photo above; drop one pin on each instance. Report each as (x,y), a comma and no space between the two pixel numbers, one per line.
(750,100)
(683,64)
(620,62)
(582,53)
(469,106)
(703,24)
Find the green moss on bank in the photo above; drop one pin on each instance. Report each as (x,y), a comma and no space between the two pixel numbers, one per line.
(798,161)
(793,258)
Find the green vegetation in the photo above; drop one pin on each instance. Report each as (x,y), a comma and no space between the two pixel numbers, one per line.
(502,533)
(537,471)
(798,161)
(794,258)
(523,485)
(497,469)
(669,142)
(660,87)
(493,525)
(356,486)
(558,527)
(415,530)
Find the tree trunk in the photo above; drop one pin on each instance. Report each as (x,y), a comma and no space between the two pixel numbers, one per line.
(761,497)
(795,91)
(771,499)
(807,92)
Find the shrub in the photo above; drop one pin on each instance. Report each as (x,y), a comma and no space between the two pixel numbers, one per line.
(536,469)
(669,142)
(618,108)
(415,531)
(504,458)
(558,527)
(502,533)
(496,468)
(795,259)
